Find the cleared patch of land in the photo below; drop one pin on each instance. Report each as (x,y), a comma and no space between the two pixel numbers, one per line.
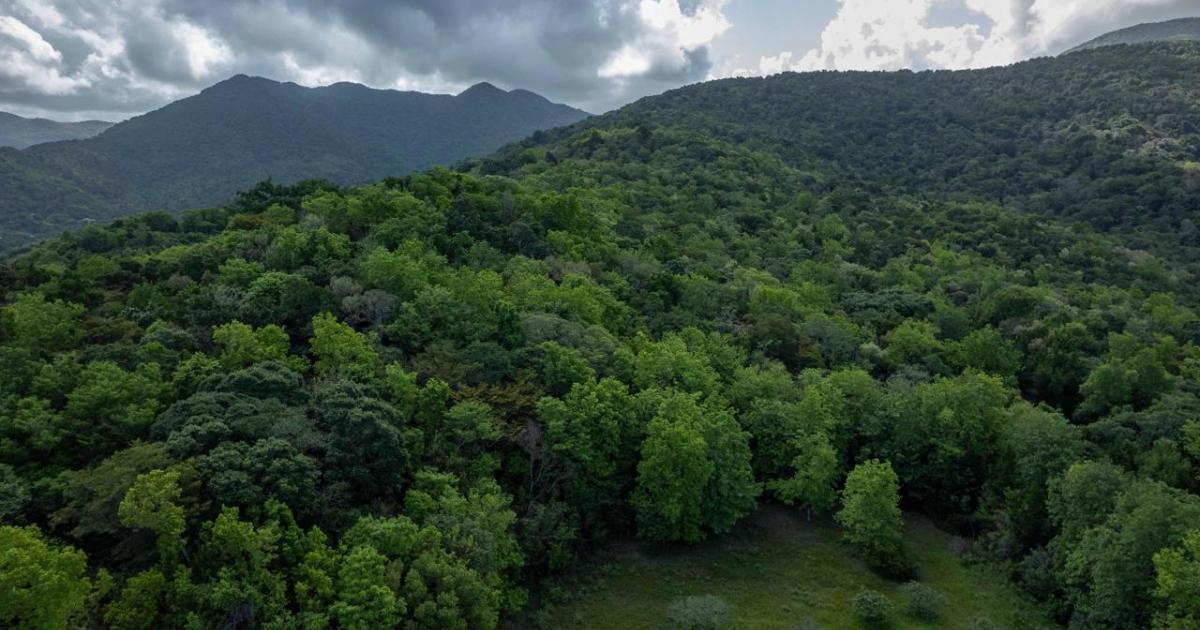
(779,571)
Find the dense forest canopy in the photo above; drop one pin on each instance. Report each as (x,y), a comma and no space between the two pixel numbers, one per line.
(411,402)
(200,150)
(1108,137)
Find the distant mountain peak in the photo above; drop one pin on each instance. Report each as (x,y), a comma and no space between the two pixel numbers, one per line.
(482,88)
(240,82)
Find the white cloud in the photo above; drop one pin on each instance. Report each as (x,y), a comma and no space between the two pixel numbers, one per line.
(895,34)
(668,35)
(203,51)
(111,58)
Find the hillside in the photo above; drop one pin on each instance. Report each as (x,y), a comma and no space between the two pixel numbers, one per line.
(781,572)
(1110,137)
(1182,29)
(423,402)
(200,150)
(18,132)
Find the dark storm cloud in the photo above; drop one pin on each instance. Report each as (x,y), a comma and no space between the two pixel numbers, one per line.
(123,56)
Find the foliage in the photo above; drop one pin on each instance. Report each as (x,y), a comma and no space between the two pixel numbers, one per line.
(44,586)
(870,513)
(420,401)
(873,608)
(923,601)
(701,612)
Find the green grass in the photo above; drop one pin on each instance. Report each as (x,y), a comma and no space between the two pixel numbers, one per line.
(779,571)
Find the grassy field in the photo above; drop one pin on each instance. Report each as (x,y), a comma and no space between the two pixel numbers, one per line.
(780,572)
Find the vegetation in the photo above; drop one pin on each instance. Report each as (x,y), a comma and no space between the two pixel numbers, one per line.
(18,132)
(778,570)
(419,402)
(1182,29)
(201,150)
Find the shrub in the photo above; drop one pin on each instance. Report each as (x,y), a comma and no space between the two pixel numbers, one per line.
(701,612)
(924,602)
(982,623)
(872,607)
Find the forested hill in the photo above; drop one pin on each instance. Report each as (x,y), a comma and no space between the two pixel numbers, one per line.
(1110,137)
(1182,29)
(200,150)
(18,132)
(419,403)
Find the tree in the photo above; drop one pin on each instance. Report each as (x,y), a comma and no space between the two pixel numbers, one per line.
(816,471)
(243,346)
(364,600)
(1178,577)
(987,351)
(31,321)
(248,475)
(341,351)
(1110,572)
(111,406)
(153,503)
(870,514)
(695,472)
(92,495)
(593,429)
(367,450)
(945,442)
(672,475)
(562,367)
(42,586)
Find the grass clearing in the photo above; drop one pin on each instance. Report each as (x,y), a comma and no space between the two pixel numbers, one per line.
(781,572)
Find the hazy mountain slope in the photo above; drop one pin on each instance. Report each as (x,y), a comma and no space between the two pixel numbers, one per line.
(1182,29)
(198,151)
(19,132)
(1109,136)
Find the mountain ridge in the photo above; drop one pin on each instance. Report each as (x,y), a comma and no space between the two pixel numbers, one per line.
(1181,29)
(201,149)
(19,132)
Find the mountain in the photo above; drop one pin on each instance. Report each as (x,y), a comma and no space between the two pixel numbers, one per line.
(1182,29)
(1108,137)
(18,132)
(200,150)
(438,400)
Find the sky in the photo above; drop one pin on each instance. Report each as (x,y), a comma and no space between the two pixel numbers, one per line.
(112,59)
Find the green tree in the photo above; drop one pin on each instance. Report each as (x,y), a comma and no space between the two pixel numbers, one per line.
(341,351)
(364,599)
(813,483)
(31,321)
(694,473)
(1178,574)
(244,346)
(152,503)
(42,586)
(870,514)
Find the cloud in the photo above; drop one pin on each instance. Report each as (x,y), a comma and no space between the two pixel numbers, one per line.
(74,58)
(895,34)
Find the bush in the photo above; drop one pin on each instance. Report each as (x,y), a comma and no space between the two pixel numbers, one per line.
(701,612)
(872,607)
(982,623)
(924,602)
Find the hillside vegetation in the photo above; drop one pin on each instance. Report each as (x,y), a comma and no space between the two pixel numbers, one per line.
(1180,30)
(1110,137)
(777,571)
(200,150)
(419,402)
